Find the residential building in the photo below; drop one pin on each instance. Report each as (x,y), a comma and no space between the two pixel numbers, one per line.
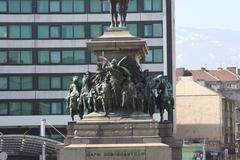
(43,44)
(205,116)
(224,81)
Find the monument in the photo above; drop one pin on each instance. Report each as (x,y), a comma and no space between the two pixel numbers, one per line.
(117,102)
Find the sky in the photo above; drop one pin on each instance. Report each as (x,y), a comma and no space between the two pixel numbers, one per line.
(221,14)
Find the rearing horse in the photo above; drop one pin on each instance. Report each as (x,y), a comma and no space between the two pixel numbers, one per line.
(123,6)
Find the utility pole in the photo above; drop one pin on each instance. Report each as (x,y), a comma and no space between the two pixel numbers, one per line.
(43,134)
(204,149)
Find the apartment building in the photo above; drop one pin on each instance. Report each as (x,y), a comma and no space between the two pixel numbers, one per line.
(205,116)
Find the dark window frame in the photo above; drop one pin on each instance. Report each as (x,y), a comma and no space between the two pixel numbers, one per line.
(21,84)
(4,12)
(151,11)
(151,23)
(20,50)
(21,108)
(60,25)
(153,49)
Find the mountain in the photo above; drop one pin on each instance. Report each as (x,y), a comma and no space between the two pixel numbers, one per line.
(210,48)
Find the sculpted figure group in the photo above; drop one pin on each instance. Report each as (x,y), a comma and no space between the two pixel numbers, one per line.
(114,88)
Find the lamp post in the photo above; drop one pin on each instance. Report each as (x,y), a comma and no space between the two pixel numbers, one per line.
(43,134)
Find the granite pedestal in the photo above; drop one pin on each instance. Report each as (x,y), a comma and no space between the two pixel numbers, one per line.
(114,139)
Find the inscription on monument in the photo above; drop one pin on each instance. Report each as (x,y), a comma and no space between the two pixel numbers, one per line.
(116,154)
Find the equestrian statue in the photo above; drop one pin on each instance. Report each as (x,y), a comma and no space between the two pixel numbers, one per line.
(122,9)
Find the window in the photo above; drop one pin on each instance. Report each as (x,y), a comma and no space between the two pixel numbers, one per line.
(67,6)
(14,6)
(96,30)
(14,83)
(3,57)
(44,108)
(67,31)
(43,82)
(3,31)
(27,108)
(67,80)
(73,31)
(63,6)
(73,6)
(20,108)
(93,58)
(26,6)
(42,6)
(43,31)
(105,6)
(148,31)
(158,55)
(43,57)
(99,6)
(153,5)
(154,56)
(54,6)
(49,82)
(55,82)
(55,57)
(132,6)
(133,29)
(79,31)
(3,83)
(26,31)
(47,108)
(61,31)
(20,57)
(149,56)
(3,6)
(79,57)
(153,30)
(78,6)
(3,109)
(56,108)
(95,6)
(26,83)
(54,31)
(15,108)
(20,6)
(73,57)
(14,31)
(67,57)
(20,31)
(20,83)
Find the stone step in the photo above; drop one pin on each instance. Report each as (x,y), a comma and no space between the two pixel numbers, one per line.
(112,140)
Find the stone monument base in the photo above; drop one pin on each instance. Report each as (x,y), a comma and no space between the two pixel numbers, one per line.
(147,151)
(114,139)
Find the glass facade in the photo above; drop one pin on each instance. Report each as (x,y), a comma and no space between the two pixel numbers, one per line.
(73,6)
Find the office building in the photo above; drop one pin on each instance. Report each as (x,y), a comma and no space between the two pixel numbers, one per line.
(43,45)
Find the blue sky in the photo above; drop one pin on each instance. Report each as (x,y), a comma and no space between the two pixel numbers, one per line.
(222,14)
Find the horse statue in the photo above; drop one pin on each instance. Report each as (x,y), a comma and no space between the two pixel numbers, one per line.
(164,99)
(86,93)
(73,99)
(123,6)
